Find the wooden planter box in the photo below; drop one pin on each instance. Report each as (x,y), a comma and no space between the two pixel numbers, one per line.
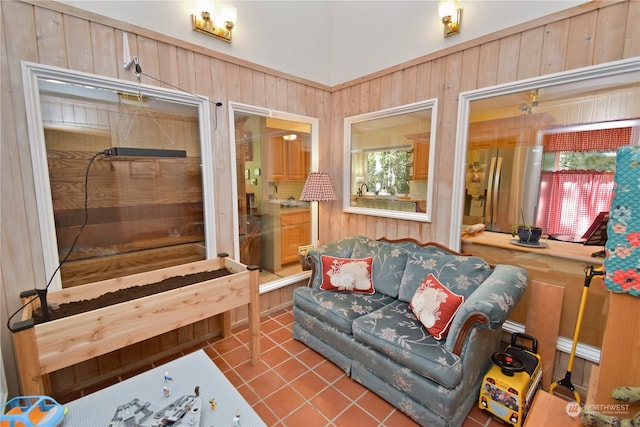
(47,347)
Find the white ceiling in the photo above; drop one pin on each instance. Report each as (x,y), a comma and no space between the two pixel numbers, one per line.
(328,42)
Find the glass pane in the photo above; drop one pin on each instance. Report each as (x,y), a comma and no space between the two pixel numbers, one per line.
(125,180)
(391,155)
(273,160)
(510,148)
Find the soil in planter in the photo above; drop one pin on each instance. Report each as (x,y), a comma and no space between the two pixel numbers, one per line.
(127,294)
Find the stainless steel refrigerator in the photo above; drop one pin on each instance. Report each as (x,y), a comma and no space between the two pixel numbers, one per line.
(502,186)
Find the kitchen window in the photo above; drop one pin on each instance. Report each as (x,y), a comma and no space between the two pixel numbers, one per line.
(600,93)
(577,178)
(389,171)
(273,157)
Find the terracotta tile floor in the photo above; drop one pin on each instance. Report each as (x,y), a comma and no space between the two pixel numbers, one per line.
(295,386)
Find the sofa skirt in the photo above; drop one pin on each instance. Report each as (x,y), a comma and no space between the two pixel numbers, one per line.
(425,401)
(419,413)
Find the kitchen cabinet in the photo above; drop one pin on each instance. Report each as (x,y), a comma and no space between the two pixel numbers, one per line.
(509,132)
(288,160)
(420,154)
(295,230)
(420,160)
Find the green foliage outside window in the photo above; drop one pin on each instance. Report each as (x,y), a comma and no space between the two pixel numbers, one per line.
(587,160)
(580,160)
(389,171)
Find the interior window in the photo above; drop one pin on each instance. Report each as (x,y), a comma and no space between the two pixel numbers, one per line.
(273,160)
(390,168)
(119,173)
(519,136)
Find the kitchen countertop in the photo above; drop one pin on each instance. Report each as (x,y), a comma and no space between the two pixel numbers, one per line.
(283,204)
(293,208)
(554,248)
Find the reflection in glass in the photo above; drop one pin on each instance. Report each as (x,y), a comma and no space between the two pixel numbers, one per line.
(391,161)
(273,159)
(121,214)
(550,164)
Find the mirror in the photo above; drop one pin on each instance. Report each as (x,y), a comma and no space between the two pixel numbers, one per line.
(389,167)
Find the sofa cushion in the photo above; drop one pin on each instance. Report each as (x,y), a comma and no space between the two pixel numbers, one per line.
(460,274)
(340,248)
(338,309)
(434,305)
(389,262)
(394,331)
(346,274)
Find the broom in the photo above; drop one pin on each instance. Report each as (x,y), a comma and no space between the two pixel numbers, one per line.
(589,272)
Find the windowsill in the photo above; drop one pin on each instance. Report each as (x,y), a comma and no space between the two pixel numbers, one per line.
(554,248)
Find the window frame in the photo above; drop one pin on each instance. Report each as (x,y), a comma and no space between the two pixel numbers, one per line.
(431,104)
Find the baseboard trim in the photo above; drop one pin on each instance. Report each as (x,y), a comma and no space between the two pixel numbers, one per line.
(583,351)
(284,282)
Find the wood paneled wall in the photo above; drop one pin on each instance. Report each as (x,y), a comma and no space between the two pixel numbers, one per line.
(56,34)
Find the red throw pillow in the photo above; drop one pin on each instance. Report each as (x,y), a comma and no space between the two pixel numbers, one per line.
(347,274)
(434,305)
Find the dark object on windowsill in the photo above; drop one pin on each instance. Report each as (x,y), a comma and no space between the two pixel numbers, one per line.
(528,234)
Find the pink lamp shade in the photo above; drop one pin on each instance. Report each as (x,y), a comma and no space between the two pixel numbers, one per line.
(318,188)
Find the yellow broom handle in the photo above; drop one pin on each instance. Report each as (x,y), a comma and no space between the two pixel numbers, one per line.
(589,272)
(576,332)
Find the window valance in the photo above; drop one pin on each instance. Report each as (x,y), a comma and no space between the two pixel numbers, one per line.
(591,140)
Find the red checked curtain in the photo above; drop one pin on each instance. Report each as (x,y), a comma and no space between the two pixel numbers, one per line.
(571,200)
(590,140)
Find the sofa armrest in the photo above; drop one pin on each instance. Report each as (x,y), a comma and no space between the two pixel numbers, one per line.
(489,305)
(469,323)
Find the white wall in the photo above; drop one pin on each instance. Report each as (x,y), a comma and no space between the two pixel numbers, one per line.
(328,42)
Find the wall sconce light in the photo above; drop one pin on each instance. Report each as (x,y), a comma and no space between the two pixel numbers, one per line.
(219,28)
(289,138)
(450,15)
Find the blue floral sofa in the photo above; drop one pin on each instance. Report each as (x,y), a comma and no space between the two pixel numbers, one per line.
(379,342)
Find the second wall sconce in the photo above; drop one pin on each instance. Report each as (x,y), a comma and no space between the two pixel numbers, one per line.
(450,15)
(219,25)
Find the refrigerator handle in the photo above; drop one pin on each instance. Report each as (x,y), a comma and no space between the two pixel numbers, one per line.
(496,185)
(488,214)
